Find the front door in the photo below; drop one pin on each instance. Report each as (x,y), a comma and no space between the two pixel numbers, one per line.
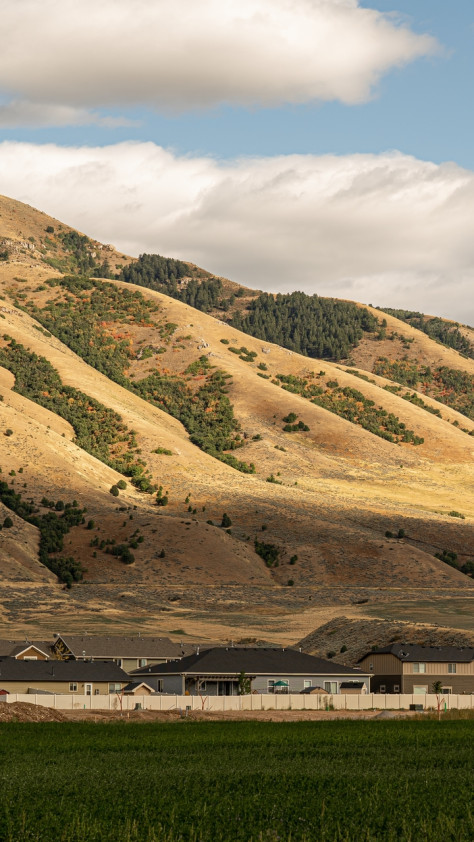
(88,689)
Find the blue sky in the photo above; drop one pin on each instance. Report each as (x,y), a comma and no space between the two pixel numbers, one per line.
(422,109)
(57,102)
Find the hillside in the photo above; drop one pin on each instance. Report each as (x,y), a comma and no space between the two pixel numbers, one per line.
(106,384)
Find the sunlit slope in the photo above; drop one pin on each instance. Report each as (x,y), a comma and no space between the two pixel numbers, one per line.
(335,489)
(350,486)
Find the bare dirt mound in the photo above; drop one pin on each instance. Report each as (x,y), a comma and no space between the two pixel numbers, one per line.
(24,712)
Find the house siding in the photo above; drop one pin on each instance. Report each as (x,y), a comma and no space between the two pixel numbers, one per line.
(296,682)
(32,652)
(459,683)
(173,683)
(383,664)
(54,686)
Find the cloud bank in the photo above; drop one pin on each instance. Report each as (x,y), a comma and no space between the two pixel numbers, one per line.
(179,54)
(387,229)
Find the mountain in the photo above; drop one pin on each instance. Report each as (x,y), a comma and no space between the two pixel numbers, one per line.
(196,479)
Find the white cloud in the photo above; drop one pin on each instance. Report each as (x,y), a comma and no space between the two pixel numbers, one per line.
(386,229)
(180,54)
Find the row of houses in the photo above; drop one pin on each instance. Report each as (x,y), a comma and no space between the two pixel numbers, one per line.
(95,665)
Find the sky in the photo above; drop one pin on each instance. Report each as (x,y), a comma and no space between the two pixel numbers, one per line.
(321,145)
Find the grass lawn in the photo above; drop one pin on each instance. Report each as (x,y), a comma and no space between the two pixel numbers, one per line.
(404,781)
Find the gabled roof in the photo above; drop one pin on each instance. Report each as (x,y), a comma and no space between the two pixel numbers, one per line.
(258,661)
(90,671)
(40,646)
(412,652)
(133,686)
(12,648)
(117,646)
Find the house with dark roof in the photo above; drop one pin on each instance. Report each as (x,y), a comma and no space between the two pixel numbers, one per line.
(31,650)
(410,668)
(81,677)
(221,671)
(127,652)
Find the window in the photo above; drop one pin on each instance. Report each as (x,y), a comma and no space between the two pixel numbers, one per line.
(115,688)
(419,667)
(30,658)
(396,688)
(382,688)
(142,662)
(447,690)
(96,691)
(119,662)
(452,668)
(307,683)
(271,685)
(330,686)
(159,685)
(72,687)
(371,667)
(420,689)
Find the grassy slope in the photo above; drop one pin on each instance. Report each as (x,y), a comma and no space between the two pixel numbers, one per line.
(350,484)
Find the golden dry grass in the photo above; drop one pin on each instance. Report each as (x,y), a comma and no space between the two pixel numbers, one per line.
(342,487)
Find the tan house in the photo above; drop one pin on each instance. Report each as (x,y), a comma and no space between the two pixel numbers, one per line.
(129,653)
(26,650)
(413,669)
(71,677)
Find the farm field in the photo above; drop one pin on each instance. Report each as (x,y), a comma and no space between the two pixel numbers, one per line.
(255,782)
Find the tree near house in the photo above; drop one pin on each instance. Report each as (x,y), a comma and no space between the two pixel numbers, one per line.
(244,684)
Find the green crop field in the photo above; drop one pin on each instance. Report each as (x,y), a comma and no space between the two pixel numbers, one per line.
(406,781)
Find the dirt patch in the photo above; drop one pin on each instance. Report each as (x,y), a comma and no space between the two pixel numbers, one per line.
(225,716)
(24,712)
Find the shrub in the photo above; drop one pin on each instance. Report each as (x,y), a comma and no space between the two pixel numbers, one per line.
(8,432)
(121,484)
(273,479)
(290,582)
(293,559)
(162,501)
(114,491)
(49,229)
(226,521)
(7,523)
(269,552)
(456,514)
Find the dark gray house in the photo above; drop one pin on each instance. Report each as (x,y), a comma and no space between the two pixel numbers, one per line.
(219,672)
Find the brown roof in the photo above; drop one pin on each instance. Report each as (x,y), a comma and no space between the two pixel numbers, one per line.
(13,647)
(117,646)
(413,652)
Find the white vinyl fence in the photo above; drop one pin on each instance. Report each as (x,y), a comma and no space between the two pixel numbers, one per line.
(371,701)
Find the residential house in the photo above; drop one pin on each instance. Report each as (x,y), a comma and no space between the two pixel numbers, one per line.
(81,677)
(409,668)
(127,652)
(219,672)
(27,650)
